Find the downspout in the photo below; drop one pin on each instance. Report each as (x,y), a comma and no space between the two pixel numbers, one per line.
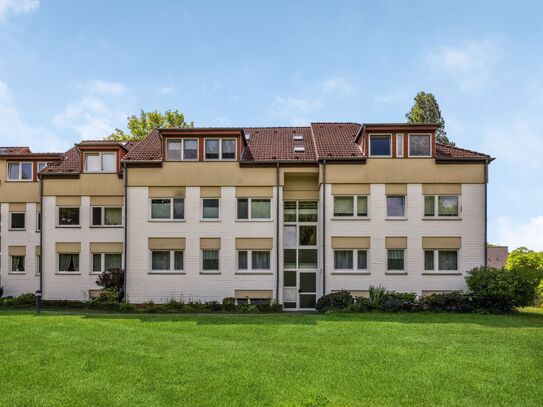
(486,214)
(277,220)
(324,227)
(125,174)
(39,294)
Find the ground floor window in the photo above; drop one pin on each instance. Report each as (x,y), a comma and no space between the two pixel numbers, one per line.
(447,260)
(18,264)
(106,261)
(253,260)
(210,260)
(348,259)
(68,262)
(395,260)
(167,260)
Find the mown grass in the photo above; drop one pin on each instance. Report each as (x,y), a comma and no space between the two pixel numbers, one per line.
(370,359)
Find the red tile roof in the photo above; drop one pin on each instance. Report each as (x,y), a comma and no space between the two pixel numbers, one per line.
(336,140)
(277,143)
(14,150)
(146,150)
(449,152)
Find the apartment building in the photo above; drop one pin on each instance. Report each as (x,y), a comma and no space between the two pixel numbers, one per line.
(285,213)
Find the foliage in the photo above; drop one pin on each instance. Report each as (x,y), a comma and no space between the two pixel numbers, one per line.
(501,290)
(229,303)
(426,110)
(525,259)
(113,281)
(140,126)
(448,302)
(360,304)
(109,295)
(393,301)
(338,301)
(376,295)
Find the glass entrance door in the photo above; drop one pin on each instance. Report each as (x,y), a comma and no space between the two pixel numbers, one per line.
(300,254)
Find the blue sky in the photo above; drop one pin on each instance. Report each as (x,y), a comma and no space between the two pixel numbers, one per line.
(75,69)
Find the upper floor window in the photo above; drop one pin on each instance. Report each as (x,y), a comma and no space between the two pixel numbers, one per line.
(344,206)
(101,162)
(210,208)
(182,149)
(395,206)
(380,145)
(223,149)
(107,216)
(68,216)
(20,171)
(444,205)
(399,145)
(420,145)
(17,221)
(42,165)
(17,264)
(253,208)
(168,209)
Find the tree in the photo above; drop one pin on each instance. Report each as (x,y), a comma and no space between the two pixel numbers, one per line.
(426,110)
(140,127)
(522,258)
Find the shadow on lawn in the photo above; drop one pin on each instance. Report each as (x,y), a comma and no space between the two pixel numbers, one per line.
(517,320)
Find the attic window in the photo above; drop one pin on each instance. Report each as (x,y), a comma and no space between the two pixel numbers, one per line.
(247,136)
(299,149)
(298,137)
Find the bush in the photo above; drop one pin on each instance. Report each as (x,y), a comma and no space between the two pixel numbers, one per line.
(392,301)
(214,306)
(113,280)
(109,295)
(360,304)
(229,304)
(376,295)
(447,302)
(500,290)
(338,301)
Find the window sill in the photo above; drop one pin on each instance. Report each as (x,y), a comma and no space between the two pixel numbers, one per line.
(164,220)
(441,218)
(68,227)
(441,273)
(106,227)
(20,180)
(17,273)
(396,218)
(254,220)
(396,273)
(168,272)
(353,273)
(210,272)
(334,218)
(68,273)
(253,273)
(17,230)
(210,220)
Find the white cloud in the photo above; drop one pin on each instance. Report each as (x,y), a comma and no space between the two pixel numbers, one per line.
(336,86)
(97,86)
(166,90)
(15,131)
(470,65)
(15,7)
(295,110)
(515,234)
(392,96)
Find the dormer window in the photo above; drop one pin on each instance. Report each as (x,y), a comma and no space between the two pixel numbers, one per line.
(20,171)
(41,166)
(182,149)
(420,145)
(299,149)
(223,149)
(100,162)
(298,137)
(380,145)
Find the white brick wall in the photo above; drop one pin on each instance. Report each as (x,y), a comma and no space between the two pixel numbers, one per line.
(143,286)
(470,228)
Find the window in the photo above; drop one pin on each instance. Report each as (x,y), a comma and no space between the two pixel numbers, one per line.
(38,262)
(259,260)
(223,149)
(380,146)
(345,259)
(101,162)
(38,221)
(106,261)
(68,262)
(212,149)
(395,206)
(307,211)
(17,264)
(41,166)
(17,221)
(107,216)
(307,235)
(344,206)
(447,260)
(228,150)
(395,260)
(167,260)
(420,145)
(289,258)
(20,171)
(399,145)
(210,260)
(289,237)
(443,205)
(163,209)
(182,149)
(289,212)
(307,258)
(68,216)
(210,208)
(253,208)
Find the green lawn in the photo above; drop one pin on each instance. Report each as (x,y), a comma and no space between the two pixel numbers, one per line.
(258,360)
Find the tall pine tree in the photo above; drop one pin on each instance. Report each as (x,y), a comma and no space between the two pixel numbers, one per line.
(426,110)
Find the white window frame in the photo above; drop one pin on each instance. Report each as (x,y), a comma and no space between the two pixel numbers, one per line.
(355,260)
(102,262)
(436,214)
(38,226)
(221,139)
(182,140)
(68,272)
(100,154)
(170,219)
(103,216)
(11,271)
(20,174)
(355,207)
(249,216)
(399,145)
(409,145)
(388,271)
(217,219)
(10,221)
(250,261)
(172,269)
(37,265)
(57,223)
(436,268)
(41,162)
(214,271)
(404,207)
(389,135)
